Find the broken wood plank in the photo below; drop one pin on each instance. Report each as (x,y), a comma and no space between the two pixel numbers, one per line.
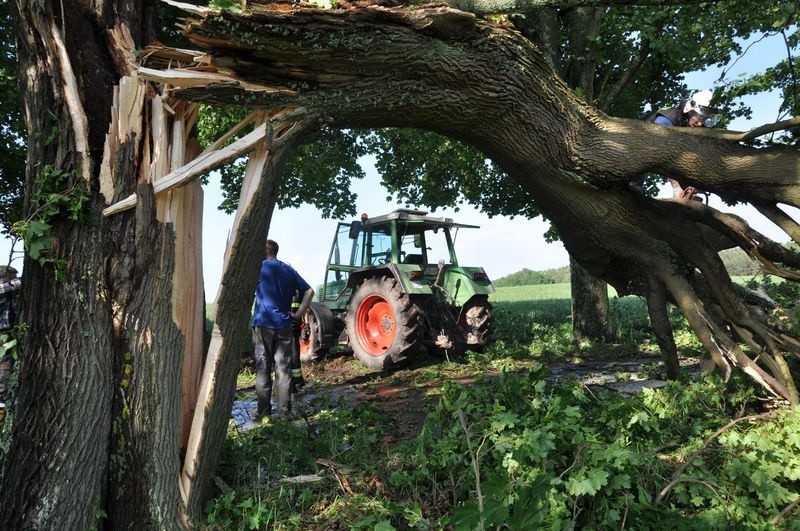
(197,167)
(184,78)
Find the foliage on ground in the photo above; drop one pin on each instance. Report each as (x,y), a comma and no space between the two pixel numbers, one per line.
(514,449)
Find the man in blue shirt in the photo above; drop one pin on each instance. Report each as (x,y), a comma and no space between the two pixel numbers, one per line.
(272,328)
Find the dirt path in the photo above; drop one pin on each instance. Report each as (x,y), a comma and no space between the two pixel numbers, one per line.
(409,393)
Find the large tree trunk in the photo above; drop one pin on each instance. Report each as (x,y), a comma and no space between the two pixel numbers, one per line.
(99,403)
(591,314)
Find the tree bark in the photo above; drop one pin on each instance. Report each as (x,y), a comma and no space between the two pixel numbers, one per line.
(659,319)
(591,315)
(230,337)
(100,377)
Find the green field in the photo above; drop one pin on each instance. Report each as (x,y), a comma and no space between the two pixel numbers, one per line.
(527,314)
(536,292)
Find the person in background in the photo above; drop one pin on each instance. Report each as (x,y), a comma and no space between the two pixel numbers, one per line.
(272,329)
(9,287)
(696,111)
(297,325)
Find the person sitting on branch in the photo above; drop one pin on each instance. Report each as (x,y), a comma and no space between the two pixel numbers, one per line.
(696,111)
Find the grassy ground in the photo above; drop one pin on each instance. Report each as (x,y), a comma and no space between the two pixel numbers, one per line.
(490,441)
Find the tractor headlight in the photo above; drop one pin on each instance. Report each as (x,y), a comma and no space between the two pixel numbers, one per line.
(415,275)
(479,275)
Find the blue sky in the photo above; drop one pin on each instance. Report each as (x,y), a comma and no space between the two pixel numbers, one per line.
(502,245)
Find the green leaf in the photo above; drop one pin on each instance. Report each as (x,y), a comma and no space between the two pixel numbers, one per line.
(36,228)
(640,418)
(39,246)
(587,482)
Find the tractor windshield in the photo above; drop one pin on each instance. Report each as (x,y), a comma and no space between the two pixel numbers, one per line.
(425,244)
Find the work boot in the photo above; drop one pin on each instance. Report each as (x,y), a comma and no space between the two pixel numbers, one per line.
(297,380)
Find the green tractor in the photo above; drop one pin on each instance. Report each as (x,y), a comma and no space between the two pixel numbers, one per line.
(392,286)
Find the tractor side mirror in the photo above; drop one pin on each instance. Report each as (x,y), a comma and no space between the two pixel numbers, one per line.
(355,228)
(418,241)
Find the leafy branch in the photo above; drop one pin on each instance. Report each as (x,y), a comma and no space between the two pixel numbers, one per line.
(8,345)
(54,198)
(676,477)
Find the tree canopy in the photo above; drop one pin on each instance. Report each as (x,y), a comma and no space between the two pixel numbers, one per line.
(12,132)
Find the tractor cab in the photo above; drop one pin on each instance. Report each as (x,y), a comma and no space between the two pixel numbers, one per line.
(390,242)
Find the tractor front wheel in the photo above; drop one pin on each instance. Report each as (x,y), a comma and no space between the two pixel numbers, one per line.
(475,322)
(383,326)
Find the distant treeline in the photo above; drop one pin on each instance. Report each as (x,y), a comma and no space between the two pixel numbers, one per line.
(526,277)
(736,262)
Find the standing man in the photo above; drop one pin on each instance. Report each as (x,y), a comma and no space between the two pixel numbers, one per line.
(9,286)
(272,328)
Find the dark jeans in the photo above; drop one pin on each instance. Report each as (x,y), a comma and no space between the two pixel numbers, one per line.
(272,350)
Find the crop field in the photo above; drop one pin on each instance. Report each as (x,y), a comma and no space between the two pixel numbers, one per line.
(538,292)
(529,313)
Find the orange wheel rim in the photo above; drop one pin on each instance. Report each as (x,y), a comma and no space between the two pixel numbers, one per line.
(375,325)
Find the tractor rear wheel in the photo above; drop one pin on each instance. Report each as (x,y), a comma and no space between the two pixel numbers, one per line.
(383,325)
(475,321)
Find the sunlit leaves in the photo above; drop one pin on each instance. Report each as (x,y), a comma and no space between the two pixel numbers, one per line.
(319,173)
(12,128)
(423,168)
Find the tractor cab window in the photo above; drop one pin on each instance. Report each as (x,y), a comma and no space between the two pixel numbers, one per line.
(436,246)
(345,253)
(379,247)
(345,249)
(411,251)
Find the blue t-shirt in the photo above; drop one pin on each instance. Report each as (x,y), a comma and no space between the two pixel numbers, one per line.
(277,284)
(662,120)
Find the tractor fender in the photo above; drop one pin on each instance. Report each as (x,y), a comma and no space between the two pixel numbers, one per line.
(399,273)
(357,276)
(327,330)
(317,332)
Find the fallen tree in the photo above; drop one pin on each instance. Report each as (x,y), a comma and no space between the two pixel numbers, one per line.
(446,71)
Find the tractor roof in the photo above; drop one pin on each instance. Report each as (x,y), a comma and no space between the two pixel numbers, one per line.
(415,217)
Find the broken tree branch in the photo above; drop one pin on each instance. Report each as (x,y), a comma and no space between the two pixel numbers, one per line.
(197,167)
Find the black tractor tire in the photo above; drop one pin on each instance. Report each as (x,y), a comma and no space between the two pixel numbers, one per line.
(475,322)
(315,332)
(384,326)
